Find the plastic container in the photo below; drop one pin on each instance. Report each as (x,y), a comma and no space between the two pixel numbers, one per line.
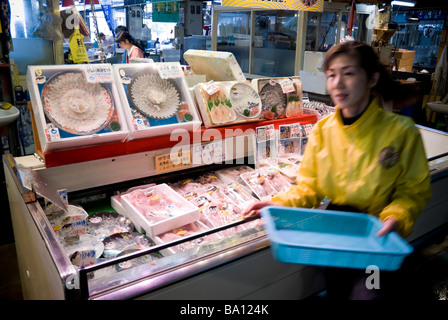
(181,213)
(332,238)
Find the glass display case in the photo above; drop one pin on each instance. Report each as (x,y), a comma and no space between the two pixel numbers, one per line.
(224,267)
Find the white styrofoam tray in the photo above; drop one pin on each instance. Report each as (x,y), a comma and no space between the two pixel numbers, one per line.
(187,212)
(54,137)
(142,126)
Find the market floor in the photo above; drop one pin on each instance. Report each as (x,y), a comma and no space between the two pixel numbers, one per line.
(427,272)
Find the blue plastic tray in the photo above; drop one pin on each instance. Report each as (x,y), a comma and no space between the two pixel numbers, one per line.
(332,238)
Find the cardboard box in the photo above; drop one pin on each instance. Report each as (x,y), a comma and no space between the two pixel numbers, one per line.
(404,54)
(405,64)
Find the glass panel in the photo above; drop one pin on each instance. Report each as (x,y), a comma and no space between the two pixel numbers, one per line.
(422,35)
(275,38)
(24,18)
(234,36)
(322,29)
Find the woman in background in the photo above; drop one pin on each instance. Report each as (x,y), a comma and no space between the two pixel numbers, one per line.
(127,42)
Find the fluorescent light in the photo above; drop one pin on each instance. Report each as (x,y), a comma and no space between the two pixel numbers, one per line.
(403,3)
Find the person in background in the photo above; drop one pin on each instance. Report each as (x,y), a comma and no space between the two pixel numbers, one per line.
(118,30)
(107,42)
(127,42)
(362,157)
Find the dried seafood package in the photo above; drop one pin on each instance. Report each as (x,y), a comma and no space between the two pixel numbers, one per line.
(75,105)
(227,102)
(156,99)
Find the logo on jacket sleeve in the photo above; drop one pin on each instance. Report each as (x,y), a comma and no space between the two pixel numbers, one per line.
(388,157)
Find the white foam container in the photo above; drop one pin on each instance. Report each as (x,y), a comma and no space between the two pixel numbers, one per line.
(201,95)
(123,74)
(38,76)
(189,214)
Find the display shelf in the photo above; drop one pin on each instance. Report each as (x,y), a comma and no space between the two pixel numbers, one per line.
(115,149)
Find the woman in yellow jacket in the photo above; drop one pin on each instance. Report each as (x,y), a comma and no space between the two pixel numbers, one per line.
(363,158)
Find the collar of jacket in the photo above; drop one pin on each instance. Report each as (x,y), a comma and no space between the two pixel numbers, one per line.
(368,118)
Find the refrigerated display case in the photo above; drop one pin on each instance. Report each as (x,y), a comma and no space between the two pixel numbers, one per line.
(237,266)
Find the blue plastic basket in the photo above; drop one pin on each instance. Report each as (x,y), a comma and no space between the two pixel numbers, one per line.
(332,238)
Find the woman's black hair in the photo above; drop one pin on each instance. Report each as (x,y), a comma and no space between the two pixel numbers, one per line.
(368,60)
(125,35)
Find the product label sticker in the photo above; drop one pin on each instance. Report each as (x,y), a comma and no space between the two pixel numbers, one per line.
(296,131)
(99,73)
(83,258)
(287,85)
(140,124)
(169,70)
(52,133)
(211,87)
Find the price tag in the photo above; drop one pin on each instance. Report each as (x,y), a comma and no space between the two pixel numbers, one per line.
(169,70)
(296,130)
(211,87)
(287,85)
(173,161)
(99,73)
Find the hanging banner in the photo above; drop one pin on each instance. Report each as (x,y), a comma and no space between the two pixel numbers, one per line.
(106,5)
(165,11)
(296,5)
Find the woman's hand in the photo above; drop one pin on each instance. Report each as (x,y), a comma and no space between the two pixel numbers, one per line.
(255,208)
(389,225)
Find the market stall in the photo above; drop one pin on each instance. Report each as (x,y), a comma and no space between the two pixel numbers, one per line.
(147,203)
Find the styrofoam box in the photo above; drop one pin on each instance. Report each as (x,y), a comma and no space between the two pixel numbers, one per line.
(141,126)
(52,136)
(189,214)
(315,82)
(202,97)
(259,83)
(216,65)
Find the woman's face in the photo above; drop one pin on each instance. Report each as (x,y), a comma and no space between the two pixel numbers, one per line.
(125,44)
(348,85)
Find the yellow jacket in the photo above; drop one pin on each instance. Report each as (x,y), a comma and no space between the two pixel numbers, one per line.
(377,165)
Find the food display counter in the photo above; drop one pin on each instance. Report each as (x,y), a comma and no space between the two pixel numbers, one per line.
(236,266)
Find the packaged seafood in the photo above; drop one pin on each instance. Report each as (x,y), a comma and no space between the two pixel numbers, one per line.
(105,223)
(227,102)
(155,102)
(158,209)
(183,232)
(75,106)
(281,97)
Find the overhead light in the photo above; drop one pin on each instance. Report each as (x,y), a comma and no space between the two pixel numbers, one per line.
(382,7)
(403,3)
